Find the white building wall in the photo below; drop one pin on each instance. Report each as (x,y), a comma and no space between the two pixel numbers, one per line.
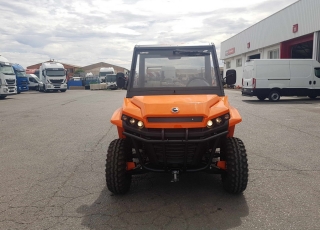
(276,28)
(267,34)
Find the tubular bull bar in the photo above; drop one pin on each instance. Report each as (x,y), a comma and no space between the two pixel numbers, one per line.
(164,142)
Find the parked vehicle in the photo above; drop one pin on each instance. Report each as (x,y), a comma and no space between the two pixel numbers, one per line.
(34,82)
(90,80)
(176,127)
(33,71)
(53,77)
(21,78)
(111,81)
(7,79)
(273,78)
(103,73)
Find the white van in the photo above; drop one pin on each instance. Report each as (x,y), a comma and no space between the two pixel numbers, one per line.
(273,78)
(34,82)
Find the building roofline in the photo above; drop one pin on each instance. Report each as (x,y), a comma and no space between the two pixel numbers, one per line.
(261,21)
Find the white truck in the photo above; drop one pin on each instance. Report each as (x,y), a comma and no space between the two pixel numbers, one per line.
(7,78)
(273,78)
(104,72)
(53,77)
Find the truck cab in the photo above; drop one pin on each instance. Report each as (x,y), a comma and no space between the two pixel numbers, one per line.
(104,72)
(21,78)
(53,77)
(7,79)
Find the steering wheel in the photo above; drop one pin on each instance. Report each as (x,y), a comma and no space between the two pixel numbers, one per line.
(197,81)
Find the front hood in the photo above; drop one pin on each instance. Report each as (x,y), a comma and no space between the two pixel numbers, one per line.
(185,105)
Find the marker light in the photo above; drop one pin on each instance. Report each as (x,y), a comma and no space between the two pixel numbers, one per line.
(132,121)
(227,116)
(140,124)
(218,120)
(124,117)
(209,124)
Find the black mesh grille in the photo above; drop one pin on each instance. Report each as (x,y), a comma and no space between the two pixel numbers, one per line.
(175,153)
(57,81)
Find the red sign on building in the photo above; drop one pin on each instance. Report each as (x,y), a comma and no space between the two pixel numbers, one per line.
(295,28)
(230,51)
(248,45)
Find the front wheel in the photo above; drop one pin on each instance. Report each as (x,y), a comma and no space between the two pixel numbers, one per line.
(274,95)
(63,90)
(235,179)
(117,178)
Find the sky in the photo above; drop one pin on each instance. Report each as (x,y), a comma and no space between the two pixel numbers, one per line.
(81,32)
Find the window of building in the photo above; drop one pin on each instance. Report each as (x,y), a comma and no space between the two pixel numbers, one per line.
(273,54)
(228,65)
(239,62)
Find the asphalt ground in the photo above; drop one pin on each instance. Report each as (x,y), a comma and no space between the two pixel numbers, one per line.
(52,161)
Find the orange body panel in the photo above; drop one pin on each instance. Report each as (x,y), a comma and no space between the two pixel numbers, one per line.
(207,106)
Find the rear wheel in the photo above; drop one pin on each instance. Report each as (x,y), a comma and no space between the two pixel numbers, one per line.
(117,178)
(261,98)
(274,95)
(235,178)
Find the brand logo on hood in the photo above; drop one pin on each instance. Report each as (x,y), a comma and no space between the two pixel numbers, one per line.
(175,109)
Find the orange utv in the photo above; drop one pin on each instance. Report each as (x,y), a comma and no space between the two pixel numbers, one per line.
(176,119)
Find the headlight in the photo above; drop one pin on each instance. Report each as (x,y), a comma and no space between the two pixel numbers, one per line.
(140,124)
(218,120)
(132,121)
(209,123)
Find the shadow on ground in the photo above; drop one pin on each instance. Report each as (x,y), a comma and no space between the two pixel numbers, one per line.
(196,202)
(293,100)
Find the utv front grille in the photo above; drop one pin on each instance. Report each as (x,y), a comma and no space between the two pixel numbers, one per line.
(174,119)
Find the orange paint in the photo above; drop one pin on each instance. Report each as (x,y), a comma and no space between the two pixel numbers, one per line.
(222,165)
(207,106)
(130,165)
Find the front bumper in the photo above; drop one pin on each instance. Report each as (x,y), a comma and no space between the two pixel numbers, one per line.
(56,86)
(8,90)
(248,92)
(188,150)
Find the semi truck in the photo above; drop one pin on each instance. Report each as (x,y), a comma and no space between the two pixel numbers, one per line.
(21,78)
(104,72)
(7,79)
(53,76)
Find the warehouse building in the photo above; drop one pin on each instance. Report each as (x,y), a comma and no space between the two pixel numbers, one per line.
(95,68)
(291,33)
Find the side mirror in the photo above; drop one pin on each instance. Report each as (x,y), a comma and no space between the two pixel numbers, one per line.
(43,73)
(231,77)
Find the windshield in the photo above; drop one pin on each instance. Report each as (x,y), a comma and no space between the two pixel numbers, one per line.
(111,78)
(8,70)
(21,73)
(174,68)
(103,74)
(55,73)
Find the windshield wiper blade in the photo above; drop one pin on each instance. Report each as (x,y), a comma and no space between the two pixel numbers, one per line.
(191,53)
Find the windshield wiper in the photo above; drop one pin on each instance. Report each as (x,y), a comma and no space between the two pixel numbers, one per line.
(191,53)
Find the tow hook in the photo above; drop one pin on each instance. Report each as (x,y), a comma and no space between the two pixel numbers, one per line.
(175,176)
